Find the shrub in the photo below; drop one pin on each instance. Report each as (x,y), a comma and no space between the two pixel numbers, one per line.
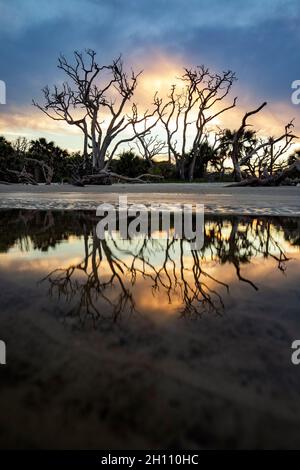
(130,165)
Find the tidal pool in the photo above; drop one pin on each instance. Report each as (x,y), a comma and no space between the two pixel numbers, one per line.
(142,343)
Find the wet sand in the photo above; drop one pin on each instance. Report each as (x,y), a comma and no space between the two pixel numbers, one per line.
(217,197)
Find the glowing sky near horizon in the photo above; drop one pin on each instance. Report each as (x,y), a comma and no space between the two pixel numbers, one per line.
(258,39)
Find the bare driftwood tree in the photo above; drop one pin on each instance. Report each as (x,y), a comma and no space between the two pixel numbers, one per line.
(97,99)
(271,160)
(291,171)
(287,138)
(238,140)
(262,156)
(149,147)
(264,160)
(47,169)
(22,176)
(186,114)
(115,177)
(21,146)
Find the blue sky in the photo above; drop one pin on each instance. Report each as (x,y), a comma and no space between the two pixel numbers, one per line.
(259,40)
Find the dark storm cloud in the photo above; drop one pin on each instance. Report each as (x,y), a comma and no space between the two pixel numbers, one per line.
(257,39)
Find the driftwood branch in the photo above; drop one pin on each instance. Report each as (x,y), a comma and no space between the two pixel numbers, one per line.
(48,171)
(108,175)
(275,180)
(23,176)
(236,142)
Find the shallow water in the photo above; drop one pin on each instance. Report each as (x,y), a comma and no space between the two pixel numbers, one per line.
(148,343)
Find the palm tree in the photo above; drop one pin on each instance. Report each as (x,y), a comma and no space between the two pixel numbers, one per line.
(47,159)
(247,142)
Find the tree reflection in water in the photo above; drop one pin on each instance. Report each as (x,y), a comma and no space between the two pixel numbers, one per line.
(105,282)
(170,266)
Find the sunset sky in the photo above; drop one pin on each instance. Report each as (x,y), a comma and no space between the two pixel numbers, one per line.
(258,39)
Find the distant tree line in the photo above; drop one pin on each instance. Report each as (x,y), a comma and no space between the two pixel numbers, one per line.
(35,161)
(41,161)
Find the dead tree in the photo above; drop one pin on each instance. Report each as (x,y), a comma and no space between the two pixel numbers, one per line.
(23,176)
(190,111)
(261,157)
(275,180)
(48,171)
(274,147)
(149,147)
(237,142)
(21,146)
(106,177)
(270,161)
(266,154)
(97,100)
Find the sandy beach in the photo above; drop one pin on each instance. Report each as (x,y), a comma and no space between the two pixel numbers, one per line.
(217,197)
